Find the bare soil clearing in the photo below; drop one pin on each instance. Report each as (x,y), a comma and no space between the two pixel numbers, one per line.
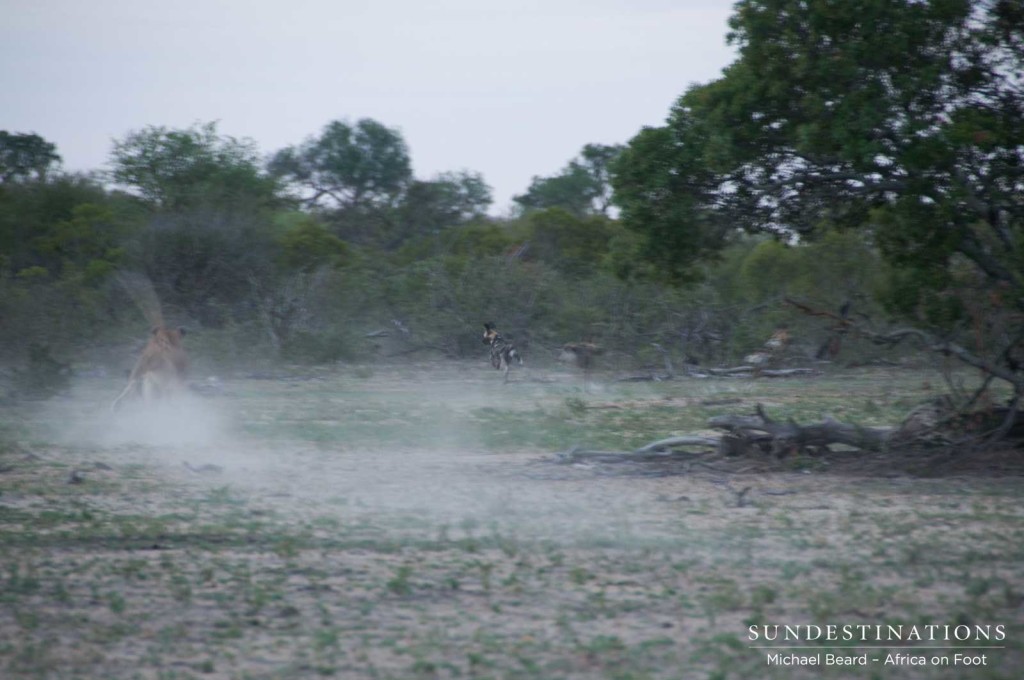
(414,523)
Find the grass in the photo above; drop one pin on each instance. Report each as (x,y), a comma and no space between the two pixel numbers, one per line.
(412,524)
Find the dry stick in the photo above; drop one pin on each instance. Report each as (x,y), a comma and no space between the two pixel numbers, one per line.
(676,441)
(649,452)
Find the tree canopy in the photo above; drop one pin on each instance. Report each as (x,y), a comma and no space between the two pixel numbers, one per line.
(360,166)
(25,156)
(447,200)
(583,187)
(903,119)
(176,169)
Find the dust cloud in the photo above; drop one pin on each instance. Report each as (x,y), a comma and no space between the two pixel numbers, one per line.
(447,477)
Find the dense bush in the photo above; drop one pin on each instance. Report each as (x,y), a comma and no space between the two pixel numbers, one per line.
(257,278)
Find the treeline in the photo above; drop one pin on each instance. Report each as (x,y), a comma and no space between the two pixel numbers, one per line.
(864,157)
(331,250)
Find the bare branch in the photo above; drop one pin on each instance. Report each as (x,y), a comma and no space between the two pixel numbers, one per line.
(933,344)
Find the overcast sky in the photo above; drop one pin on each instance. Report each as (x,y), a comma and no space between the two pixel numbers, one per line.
(508,89)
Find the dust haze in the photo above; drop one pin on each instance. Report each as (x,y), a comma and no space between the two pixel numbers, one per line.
(386,521)
(442,475)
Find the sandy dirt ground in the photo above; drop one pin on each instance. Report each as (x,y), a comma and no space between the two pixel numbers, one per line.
(216,550)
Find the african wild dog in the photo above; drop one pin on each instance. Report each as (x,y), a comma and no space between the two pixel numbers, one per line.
(582,354)
(503,352)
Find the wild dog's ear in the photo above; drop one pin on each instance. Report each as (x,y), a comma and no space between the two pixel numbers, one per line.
(182,330)
(154,330)
(489,325)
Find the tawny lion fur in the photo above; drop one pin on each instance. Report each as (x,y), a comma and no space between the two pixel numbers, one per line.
(161,369)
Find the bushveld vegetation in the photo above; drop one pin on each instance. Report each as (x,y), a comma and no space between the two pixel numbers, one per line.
(349,491)
(825,165)
(260,274)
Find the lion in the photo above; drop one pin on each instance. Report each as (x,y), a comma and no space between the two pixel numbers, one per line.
(583,355)
(161,369)
(580,353)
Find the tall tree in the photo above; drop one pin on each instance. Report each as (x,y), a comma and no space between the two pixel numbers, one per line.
(900,117)
(66,220)
(670,196)
(197,166)
(583,187)
(25,157)
(448,200)
(597,160)
(207,236)
(361,166)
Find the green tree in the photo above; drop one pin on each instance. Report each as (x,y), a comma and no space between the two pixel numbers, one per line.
(903,118)
(207,263)
(597,160)
(353,167)
(207,241)
(306,245)
(571,244)
(64,220)
(583,187)
(669,195)
(178,170)
(25,156)
(61,237)
(449,200)
(88,242)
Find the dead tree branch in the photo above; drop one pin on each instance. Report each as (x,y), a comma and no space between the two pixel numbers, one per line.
(931,343)
(744,433)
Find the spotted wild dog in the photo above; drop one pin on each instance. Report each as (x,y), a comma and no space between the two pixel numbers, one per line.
(161,369)
(582,354)
(503,352)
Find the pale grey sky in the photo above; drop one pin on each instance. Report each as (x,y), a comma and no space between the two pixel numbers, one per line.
(509,89)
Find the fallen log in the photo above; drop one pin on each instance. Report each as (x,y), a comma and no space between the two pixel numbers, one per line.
(745,434)
(760,432)
(926,425)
